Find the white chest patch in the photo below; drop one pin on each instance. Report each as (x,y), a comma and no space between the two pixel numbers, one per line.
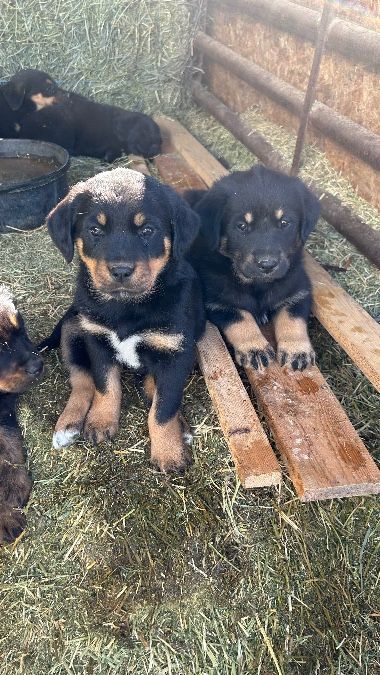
(126,350)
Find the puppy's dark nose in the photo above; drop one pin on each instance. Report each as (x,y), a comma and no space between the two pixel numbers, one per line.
(121,272)
(267,263)
(34,366)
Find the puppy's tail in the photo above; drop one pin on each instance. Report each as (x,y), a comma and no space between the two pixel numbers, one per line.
(193,196)
(54,339)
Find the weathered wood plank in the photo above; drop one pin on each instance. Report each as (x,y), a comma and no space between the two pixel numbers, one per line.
(256,464)
(325,456)
(348,323)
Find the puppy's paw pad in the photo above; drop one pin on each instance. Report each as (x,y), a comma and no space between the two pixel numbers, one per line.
(65,437)
(258,358)
(297,360)
(96,433)
(175,464)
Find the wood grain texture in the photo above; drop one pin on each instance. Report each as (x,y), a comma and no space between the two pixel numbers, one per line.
(348,323)
(324,454)
(256,464)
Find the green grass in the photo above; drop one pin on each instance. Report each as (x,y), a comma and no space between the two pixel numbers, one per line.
(122,570)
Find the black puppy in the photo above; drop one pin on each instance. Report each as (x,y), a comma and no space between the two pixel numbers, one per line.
(26,92)
(249,257)
(137,304)
(78,124)
(20,366)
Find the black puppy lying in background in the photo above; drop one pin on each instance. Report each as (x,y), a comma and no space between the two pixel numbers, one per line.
(249,257)
(20,366)
(137,304)
(43,111)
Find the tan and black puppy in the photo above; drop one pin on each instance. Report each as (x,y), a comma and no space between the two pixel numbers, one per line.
(249,257)
(20,366)
(137,304)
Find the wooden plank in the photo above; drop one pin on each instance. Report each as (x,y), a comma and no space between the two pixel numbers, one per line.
(138,163)
(256,464)
(323,452)
(348,323)
(325,456)
(200,159)
(177,175)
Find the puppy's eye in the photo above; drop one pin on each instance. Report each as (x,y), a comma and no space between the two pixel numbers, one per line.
(242,226)
(95,231)
(283,223)
(146,231)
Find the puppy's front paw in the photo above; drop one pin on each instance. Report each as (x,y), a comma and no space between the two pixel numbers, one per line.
(297,355)
(63,437)
(255,356)
(99,431)
(12,523)
(172,460)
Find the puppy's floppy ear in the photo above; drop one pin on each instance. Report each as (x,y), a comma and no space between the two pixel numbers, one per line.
(62,219)
(185,224)
(210,210)
(14,94)
(311,211)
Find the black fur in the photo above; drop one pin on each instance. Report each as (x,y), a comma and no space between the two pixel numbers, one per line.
(168,302)
(255,266)
(81,126)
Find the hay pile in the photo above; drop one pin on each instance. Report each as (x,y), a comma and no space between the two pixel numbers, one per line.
(132,53)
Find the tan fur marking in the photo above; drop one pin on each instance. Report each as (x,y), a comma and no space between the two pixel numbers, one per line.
(292,338)
(278,214)
(101,218)
(167,451)
(98,269)
(164,341)
(245,335)
(248,217)
(78,405)
(42,101)
(149,387)
(139,219)
(13,318)
(102,421)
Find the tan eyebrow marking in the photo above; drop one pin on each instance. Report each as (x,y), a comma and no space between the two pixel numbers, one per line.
(13,318)
(248,217)
(278,213)
(139,219)
(101,218)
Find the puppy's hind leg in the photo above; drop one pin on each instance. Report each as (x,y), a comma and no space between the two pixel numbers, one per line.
(70,423)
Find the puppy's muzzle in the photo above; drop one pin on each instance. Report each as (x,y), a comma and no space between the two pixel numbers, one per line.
(34,366)
(122,271)
(267,263)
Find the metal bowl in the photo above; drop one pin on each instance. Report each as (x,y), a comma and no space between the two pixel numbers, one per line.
(33,179)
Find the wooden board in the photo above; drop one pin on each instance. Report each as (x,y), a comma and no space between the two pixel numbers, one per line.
(255,461)
(256,464)
(325,456)
(348,323)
